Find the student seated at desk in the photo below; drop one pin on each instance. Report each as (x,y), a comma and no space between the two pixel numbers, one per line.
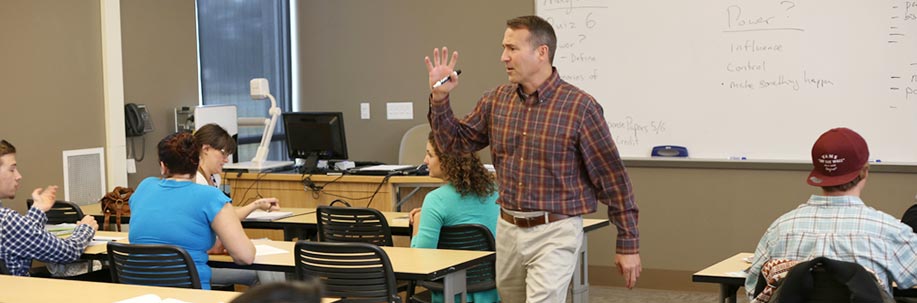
(174,210)
(469,196)
(23,238)
(215,147)
(836,223)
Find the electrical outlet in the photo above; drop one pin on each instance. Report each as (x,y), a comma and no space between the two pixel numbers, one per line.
(131,166)
(364,110)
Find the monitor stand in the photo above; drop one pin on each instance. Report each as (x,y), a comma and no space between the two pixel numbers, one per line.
(310,164)
(257,167)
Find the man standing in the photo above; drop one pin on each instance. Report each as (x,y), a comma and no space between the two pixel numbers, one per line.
(554,156)
(23,238)
(837,224)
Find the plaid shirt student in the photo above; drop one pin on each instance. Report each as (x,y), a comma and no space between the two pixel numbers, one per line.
(23,238)
(841,228)
(552,151)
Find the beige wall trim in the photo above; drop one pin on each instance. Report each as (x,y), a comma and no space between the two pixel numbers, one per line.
(650,279)
(113,83)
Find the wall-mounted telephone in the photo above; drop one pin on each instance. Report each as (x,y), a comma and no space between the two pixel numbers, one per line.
(137,120)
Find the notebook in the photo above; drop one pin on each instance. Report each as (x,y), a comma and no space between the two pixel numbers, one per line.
(383,170)
(260,215)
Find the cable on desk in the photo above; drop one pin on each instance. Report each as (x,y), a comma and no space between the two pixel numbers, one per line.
(317,190)
(257,190)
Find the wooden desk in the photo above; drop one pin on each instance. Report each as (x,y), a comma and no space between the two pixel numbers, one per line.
(95,210)
(408,263)
(30,289)
(300,226)
(293,190)
(723,273)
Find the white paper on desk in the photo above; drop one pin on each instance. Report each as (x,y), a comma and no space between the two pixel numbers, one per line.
(260,215)
(264,250)
(150,298)
(384,167)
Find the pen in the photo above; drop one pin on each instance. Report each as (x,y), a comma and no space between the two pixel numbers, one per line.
(447,78)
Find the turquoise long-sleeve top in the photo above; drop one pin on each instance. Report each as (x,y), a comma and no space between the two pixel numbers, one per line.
(444,206)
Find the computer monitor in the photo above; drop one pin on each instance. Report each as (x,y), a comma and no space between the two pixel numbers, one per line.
(315,136)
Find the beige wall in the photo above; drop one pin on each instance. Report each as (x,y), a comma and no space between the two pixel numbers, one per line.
(160,68)
(372,51)
(51,78)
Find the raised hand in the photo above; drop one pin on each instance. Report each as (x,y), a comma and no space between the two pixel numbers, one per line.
(44,199)
(440,67)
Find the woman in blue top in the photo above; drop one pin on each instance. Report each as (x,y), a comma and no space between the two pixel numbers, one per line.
(174,210)
(469,196)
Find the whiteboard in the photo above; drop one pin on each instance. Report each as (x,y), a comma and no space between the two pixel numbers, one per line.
(760,79)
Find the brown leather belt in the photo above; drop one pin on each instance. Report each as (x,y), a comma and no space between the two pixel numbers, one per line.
(531,221)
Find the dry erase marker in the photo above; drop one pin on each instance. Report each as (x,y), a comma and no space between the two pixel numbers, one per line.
(447,78)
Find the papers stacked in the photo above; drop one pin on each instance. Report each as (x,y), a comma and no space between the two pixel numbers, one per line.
(260,215)
(61,230)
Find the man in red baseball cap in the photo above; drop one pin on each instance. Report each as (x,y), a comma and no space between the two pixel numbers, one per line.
(836,223)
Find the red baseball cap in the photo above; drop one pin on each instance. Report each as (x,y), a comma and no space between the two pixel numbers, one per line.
(837,157)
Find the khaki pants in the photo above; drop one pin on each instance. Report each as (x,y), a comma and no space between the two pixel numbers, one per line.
(536,264)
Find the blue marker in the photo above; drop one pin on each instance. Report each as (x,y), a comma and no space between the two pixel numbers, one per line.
(737,158)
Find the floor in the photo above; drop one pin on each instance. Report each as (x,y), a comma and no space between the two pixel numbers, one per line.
(599,294)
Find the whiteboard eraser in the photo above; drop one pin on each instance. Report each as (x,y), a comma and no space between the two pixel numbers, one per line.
(670,151)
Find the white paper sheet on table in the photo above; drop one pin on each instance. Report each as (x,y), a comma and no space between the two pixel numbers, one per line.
(264,250)
(150,298)
(260,215)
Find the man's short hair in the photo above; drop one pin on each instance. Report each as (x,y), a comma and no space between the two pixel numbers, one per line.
(542,32)
(6,148)
(843,187)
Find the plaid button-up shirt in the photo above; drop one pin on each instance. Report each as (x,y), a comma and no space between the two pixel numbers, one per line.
(552,150)
(841,228)
(23,238)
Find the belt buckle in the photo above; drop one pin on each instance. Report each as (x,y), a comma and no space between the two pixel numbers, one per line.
(528,220)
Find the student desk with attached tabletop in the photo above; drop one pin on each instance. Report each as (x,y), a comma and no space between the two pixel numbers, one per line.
(31,289)
(727,273)
(408,263)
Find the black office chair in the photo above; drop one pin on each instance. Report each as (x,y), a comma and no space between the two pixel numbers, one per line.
(61,212)
(823,280)
(353,272)
(153,265)
(352,224)
(465,237)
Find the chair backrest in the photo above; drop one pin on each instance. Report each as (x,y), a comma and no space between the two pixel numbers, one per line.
(413,145)
(825,280)
(153,265)
(352,224)
(354,272)
(61,212)
(468,237)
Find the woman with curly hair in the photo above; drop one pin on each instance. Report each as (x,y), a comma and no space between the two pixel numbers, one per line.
(469,196)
